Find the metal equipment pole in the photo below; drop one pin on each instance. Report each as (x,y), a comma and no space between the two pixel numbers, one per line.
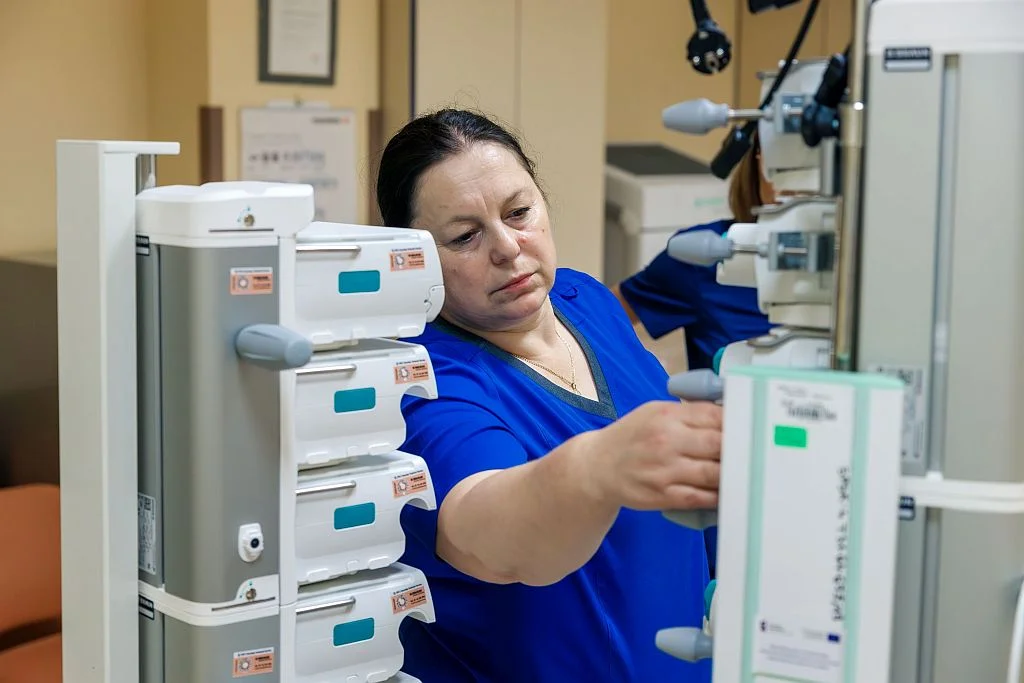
(851,112)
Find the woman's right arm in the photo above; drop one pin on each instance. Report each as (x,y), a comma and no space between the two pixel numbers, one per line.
(539,521)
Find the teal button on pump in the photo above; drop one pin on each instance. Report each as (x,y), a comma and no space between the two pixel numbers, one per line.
(354,515)
(353,632)
(359,282)
(716,362)
(351,400)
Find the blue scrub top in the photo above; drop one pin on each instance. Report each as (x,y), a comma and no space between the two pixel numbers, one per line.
(599,623)
(669,294)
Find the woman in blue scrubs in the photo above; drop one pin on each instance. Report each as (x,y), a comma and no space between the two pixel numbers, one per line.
(552,446)
(668,294)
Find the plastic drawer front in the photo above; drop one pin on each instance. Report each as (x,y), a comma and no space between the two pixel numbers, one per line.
(349,403)
(346,630)
(347,519)
(358,282)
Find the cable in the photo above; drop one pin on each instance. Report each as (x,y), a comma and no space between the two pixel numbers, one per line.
(738,142)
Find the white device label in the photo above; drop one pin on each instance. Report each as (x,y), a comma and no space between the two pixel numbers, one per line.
(147,534)
(915,416)
(805,524)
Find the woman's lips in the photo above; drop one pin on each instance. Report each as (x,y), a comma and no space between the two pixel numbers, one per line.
(515,284)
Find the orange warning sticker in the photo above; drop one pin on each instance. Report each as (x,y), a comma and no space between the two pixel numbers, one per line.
(408,484)
(253,663)
(408,259)
(409,599)
(252,281)
(411,371)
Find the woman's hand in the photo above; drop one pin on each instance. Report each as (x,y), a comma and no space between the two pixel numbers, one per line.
(662,456)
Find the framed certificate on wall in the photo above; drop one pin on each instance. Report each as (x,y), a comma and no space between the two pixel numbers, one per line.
(298,41)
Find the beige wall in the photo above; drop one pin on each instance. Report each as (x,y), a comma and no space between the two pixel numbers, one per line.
(68,68)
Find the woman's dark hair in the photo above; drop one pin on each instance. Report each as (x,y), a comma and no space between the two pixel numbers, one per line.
(428,140)
(745,185)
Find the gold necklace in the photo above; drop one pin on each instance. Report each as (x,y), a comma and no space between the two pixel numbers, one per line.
(572,365)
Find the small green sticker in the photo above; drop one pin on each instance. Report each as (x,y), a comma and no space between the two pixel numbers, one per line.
(790,437)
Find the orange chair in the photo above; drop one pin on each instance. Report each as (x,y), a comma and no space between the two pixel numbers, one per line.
(30,643)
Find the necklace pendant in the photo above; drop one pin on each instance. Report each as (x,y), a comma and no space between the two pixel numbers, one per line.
(573,385)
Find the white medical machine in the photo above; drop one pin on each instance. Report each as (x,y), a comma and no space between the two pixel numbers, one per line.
(233,371)
(870,519)
(649,191)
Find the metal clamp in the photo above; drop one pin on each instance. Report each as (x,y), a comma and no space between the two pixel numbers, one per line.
(326,369)
(325,488)
(812,252)
(334,604)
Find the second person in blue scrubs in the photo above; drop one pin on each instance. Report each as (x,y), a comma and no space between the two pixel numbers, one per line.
(668,294)
(553,444)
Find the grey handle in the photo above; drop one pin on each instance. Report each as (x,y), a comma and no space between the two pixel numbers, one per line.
(326,369)
(685,643)
(699,520)
(696,385)
(273,347)
(700,247)
(325,488)
(329,248)
(333,604)
(695,117)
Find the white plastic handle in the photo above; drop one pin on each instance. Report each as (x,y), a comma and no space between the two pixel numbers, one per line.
(934,491)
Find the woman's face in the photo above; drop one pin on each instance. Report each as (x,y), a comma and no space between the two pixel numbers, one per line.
(490,222)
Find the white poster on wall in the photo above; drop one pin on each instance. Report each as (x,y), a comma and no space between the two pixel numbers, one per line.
(304,144)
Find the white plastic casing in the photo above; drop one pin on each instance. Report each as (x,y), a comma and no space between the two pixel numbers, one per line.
(810,470)
(348,518)
(346,630)
(215,213)
(789,164)
(357,282)
(348,403)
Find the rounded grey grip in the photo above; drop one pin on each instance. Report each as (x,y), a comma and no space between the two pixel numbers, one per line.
(696,385)
(273,347)
(700,247)
(695,117)
(685,643)
(698,520)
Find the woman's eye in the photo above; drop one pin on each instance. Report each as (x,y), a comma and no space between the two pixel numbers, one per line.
(520,213)
(463,239)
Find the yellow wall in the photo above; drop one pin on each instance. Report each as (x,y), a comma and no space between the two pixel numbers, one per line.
(140,69)
(68,68)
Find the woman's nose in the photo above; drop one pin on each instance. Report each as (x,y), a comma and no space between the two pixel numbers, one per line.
(505,246)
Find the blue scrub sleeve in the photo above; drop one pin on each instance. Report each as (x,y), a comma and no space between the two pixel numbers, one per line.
(458,434)
(661,295)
